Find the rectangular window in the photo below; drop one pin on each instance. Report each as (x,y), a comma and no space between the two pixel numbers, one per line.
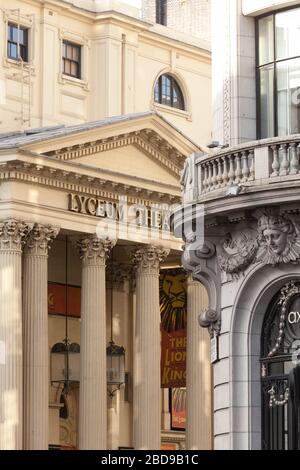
(161,12)
(17,42)
(278,73)
(71,59)
(288,94)
(266,40)
(266,84)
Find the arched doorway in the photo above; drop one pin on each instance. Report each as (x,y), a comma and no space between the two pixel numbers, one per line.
(280,370)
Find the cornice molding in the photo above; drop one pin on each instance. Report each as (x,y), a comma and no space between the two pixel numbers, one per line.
(79,183)
(147,140)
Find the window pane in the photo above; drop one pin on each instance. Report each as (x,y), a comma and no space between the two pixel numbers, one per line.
(67,67)
(14,33)
(23,52)
(177,96)
(10,32)
(12,50)
(75,54)
(74,69)
(288,97)
(267,102)
(266,40)
(21,36)
(69,51)
(288,34)
(156,91)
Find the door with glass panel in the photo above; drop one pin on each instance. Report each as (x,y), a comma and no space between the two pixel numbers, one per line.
(280,371)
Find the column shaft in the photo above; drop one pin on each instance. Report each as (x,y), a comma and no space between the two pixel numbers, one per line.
(198,380)
(93,389)
(147,394)
(147,397)
(92,401)
(35,338)
(11,393)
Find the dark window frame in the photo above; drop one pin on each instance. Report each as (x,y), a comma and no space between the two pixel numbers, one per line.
(272,64)
(65,59)
(22,47)
(174,89)
(161,12)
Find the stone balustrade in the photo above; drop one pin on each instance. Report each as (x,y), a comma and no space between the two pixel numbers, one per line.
(252,164)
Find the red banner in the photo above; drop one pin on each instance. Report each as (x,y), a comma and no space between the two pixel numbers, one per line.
(61,298)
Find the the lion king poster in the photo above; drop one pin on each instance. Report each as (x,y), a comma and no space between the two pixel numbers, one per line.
(173,328)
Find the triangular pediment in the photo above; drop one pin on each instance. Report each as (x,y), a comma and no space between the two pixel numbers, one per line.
(131,160)
(141,146)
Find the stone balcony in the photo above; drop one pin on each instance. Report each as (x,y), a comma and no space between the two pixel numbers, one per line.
(257,173)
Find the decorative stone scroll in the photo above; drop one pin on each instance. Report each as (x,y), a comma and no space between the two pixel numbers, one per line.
(211,320)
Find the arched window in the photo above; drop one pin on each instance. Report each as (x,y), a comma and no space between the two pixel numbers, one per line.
(168,92)
(280,371)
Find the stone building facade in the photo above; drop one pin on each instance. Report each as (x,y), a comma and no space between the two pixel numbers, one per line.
(240,221)
(91,149)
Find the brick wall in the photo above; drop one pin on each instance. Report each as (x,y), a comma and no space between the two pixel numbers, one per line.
(188,16)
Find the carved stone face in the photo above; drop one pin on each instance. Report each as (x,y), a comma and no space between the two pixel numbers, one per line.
(276,240)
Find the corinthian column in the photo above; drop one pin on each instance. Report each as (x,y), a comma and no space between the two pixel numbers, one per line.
(146,399)
(198,377)
(93,390)
(11,394)
(35,337)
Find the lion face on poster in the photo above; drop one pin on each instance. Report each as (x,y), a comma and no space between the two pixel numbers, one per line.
(173,300)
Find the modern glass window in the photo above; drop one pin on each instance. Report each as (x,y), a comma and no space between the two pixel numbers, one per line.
(161,12)
(17,42)
(278,73)
(168,92)
(71,59)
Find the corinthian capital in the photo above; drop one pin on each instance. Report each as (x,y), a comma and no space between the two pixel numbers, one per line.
(148,259)
(94,250)
(12,232)
(39,238)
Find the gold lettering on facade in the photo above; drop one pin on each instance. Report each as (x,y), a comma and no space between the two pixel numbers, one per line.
(134,214)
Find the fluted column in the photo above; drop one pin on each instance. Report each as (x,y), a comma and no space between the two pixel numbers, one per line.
(93,391)
(146,393)
(11,394)
(35,337)
(198,377)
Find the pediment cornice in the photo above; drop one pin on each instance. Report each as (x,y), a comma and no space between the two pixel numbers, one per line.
(147,140)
